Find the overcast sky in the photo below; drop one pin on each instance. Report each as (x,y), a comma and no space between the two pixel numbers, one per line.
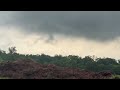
(62,32)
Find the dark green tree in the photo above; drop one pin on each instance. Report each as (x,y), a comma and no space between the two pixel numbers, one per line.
(12,50)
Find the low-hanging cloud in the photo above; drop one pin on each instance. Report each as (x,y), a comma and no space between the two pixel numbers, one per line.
(93,25)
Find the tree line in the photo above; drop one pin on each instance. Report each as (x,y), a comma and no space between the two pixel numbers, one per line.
(73,61)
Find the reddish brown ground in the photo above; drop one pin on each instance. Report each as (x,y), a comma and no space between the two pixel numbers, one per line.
(28,69)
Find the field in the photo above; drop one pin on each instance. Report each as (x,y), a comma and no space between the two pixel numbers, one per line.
(30,69)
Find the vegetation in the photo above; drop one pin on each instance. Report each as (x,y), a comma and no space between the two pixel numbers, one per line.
(115,77)
(30,69)
(4,78)
(86,63)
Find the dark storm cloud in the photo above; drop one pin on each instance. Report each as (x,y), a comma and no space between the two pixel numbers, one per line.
(95,25)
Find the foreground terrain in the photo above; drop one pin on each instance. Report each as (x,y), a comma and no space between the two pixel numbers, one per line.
(29,69)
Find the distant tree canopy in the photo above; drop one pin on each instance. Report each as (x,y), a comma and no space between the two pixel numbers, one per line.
(107,61)
(87,63)
(12,50)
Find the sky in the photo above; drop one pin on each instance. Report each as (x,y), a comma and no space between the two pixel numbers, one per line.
(61,32)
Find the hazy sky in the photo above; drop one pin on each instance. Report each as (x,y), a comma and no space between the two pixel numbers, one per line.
(62,32)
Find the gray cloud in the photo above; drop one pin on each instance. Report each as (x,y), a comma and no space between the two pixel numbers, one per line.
(94,25)
(51,39)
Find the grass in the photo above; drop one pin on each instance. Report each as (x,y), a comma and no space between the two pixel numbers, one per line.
(4,78)
(115,77)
